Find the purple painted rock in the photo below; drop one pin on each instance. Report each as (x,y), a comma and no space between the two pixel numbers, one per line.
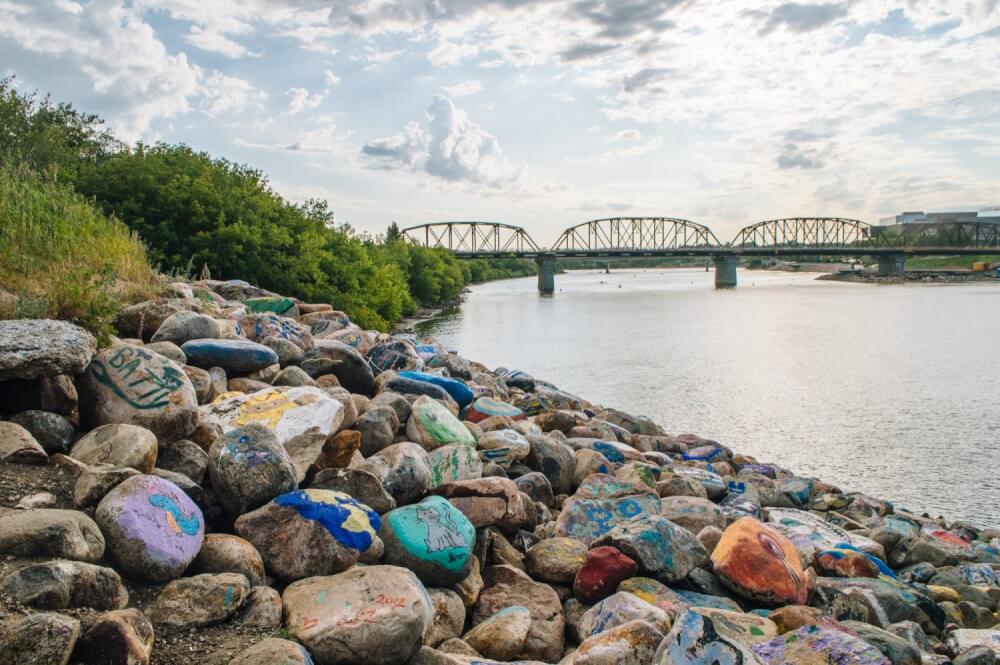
(817,645)
(249,467)
(134,386)
(153,529)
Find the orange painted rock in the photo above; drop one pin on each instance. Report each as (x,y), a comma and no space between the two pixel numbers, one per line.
(845,563)
(758,562)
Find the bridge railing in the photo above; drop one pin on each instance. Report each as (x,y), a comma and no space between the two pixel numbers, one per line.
(636,234)
(471,238)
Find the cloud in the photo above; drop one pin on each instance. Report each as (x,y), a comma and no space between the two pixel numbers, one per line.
(217,43)
(628,135)
(464,88)
(300,100)
(643,78)
(585,50)
(330,79)
(618,20)
(447,146)
(635,150)
(223,94)
(792,157)
(796,17)
(449,53)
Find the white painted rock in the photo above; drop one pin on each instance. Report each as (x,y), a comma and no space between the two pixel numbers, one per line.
(301,419)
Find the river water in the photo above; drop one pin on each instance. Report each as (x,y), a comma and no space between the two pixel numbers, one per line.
(892,390)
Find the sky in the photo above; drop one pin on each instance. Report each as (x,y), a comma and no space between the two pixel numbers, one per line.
(547,114)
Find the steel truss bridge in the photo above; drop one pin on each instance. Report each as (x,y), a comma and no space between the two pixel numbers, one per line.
(673,237)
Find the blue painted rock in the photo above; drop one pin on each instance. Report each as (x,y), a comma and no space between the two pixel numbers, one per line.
(403,386)
(375,615)
(589,519)
(695,599)
(606,486)
(487,407)
(817,645)
(153,530)
(695,640)
(274,651)
(617,609)
(325,321)
(555,560)
(199,600)
(537,487)
(880,602)
(452,463)
(692,513)
(517,379)
(309,532)
(509,440)
(632,643)
(258,327)
(796,491)
(737,506)
(236,356)
(615,452)
(404,470)
(601,573)
(118,445)
(655,594)
(349,366)
(432,425)
(133,386)
(458,390)
(395,354)
(302,419)
(249,467)
(660,547)
(758,562)
(432,538)
(185,325)
(712,482)
(502,636)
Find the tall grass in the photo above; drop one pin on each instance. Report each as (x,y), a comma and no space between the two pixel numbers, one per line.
(62,258)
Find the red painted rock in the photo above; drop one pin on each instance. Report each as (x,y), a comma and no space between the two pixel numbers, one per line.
(601,573)
(758,562)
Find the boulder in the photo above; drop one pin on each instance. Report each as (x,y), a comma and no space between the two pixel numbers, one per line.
(198,601)
(57,585)
(378,426)
(432,425)
(249,467)
(225,553)
(273,651)
(617,609)
(184,457)
(118,637)
(263,325)
(94,482)
(692,513)
(556,560)
(309,532)
(818,645)
(660,547)
(695,639)
(52,431)
(554,459)
(449,616)
(58,395)
(18,446)
(632,643)
(143,319)
(349,366)
(65,534)
(601,573)
(133,386)
(403,469)
(502,635)
(432,538)
(362,485)
(508,587)
(39,639)
(36,348)
(118,445)
(758,562)
(236,356)
(375,615)
(656,594)
(893,647)
(487,501)
(587,519)
(453,463)
(262,608)
(487,407)
(289,354)
(456,389)
(153,529)
(182,326)
(504,446)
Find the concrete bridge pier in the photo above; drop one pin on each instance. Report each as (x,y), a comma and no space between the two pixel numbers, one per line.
(725,271)
(546,273)
(891,265)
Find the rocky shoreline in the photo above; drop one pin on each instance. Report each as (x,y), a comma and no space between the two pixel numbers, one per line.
(244,478)
(915,276)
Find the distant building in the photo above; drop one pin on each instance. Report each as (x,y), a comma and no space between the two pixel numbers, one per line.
(989,215)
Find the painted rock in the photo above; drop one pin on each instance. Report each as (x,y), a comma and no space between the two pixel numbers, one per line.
(66,534)
(601,573)
(18,446)
(404,470)
(272,305)
(512,441)
(741,626)
(501,636)
(118,445)
(963,640)
(39,639)
(555,560)
(130,385)
(615,452)
(325,323)
(632,643)
(843,562)
(760,563)
(607,486)
(182,326)
(458,390)
(792,617)
(617,609)
(412,388)
(554,459)
(660,547)
(692,513)
(58,585)
(880,602)
(817,645)
(507,586)
(301,418)
(225,553)
(236,356)
(589,519)
(249,467)
(454,462)
(200,600)
(120,636)
(349,366)
(802,525)
(895,648)
(537,487)
(36,348)
(487,407)
(696,599)
(655,594)
(362,485)
(274,651)
(376,615)
(432,425)
(449,616)
(153,529)
(361,340)
(432,538)
(309,532)
(695,640)
(259,326)
(713,483)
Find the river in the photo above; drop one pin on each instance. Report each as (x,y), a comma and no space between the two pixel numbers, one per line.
(892,390)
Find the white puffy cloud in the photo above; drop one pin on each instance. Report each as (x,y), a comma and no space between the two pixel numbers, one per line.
(221,94)
(330,79)
(217,43)
(464,88)
(447,146)
(300,100)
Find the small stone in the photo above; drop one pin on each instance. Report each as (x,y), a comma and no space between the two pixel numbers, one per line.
(119,637)
(375,615)
(67,534)
(57,585)
(184,457)
(896,649)
(249,467)
(184,325)
(262,608)
(449,616)
(536,486)
(632,643)
(377,426)
(600,574)
(236,356)
(656,594)
(339,450)
(431,538)
(35,348)
(556,560)
(502,635)
(94,482)
(39,639)
(17,446)
(432,425)
(51,430)
(403,469)
(456,389)
(273,651)
(198,601)
(118,445)
(225,553)
(362,485)
(758,562)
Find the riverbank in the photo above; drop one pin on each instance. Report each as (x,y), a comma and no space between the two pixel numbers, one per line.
(373,498)
(912,276)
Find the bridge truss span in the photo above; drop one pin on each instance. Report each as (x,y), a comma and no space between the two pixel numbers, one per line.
(805,233)
(474,239)
(625,236)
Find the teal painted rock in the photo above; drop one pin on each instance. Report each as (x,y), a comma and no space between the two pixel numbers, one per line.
(816,645)
(589,519)
(432,538)
(432,425)
(272,304)
(452,463)
(236,356)
(660,547)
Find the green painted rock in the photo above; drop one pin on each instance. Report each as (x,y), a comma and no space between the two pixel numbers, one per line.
(453,463)
(432,425)
(432,538)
